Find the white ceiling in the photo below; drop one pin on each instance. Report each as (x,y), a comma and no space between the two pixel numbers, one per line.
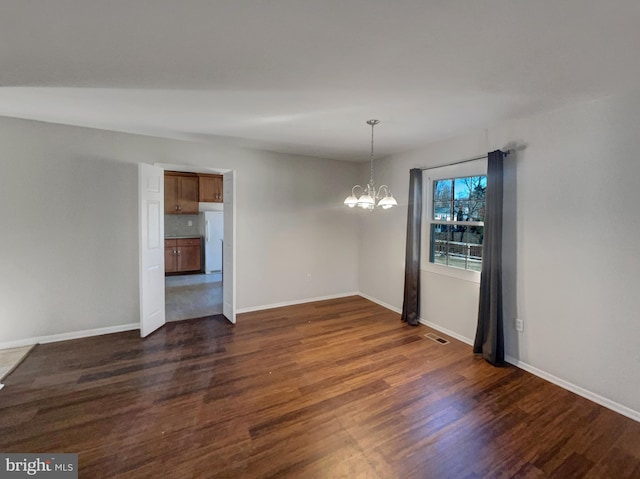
(303,76)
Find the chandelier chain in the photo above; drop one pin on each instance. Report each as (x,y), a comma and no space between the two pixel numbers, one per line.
(371,156)
(372,123)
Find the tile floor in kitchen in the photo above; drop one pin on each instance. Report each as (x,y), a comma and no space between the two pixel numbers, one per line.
(193,296)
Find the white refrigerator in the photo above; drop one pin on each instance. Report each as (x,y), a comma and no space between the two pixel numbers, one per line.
(213,234)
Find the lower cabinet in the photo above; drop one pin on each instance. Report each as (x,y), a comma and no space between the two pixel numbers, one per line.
(182,255)
(170,256)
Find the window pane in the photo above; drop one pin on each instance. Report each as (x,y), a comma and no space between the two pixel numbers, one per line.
(476,210)
(458,246)
(461,211)
(478,187)
(473,238)
(459,199)
(442,190)
(442,211)
(439,243)
(475,235)
(462,188)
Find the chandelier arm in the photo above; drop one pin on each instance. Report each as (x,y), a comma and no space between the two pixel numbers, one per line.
(353,190)
(386,189)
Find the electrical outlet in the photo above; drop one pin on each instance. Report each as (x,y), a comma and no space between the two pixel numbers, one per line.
(189,223)
(308,276)
(519,325)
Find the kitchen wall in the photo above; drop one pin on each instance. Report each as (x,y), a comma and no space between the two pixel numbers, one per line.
(69,242)
(178,225)
(571,261)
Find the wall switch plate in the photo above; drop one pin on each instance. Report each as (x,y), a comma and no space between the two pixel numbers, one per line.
(189,223)
(519,325)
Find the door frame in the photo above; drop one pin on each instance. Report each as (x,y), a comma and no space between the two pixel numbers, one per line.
(229,308)
(231,211)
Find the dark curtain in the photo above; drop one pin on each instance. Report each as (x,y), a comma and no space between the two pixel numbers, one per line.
(411,303)
(489,335)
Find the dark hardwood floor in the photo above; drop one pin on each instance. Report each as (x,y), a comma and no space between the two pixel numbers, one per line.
(338,388)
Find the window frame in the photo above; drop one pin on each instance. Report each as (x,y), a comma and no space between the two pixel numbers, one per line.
(471,168)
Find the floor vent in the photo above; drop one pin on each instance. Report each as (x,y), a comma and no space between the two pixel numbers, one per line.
(436,338)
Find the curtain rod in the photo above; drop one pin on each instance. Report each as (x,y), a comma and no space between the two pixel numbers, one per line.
(506,153)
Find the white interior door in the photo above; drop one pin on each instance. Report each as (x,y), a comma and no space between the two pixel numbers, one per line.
(151,233)
(228,251)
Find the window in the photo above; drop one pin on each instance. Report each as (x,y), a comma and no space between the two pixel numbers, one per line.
(458,222)
(454,214)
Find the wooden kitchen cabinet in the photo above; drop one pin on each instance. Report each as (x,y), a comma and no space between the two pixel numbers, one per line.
(182,255)
(180,193)
(170,256)
(210,188)
(189,254)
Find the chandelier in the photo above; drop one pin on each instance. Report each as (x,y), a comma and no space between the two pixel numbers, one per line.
(371,198)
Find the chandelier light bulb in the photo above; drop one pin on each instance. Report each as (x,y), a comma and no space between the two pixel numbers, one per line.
(351,201)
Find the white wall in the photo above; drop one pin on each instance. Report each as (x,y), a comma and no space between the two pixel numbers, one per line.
(290,223)
(69,244)
(571,258)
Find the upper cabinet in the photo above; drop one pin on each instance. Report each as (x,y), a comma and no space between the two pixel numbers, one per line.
(180,193)
(210,187)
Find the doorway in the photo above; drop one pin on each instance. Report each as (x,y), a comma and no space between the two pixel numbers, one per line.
(153,308)
(196,294)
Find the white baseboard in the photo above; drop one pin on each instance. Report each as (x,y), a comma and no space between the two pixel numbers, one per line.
(446,331)
(585,393)
(297,301)
(381,303)
(596,398)
(71,335)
